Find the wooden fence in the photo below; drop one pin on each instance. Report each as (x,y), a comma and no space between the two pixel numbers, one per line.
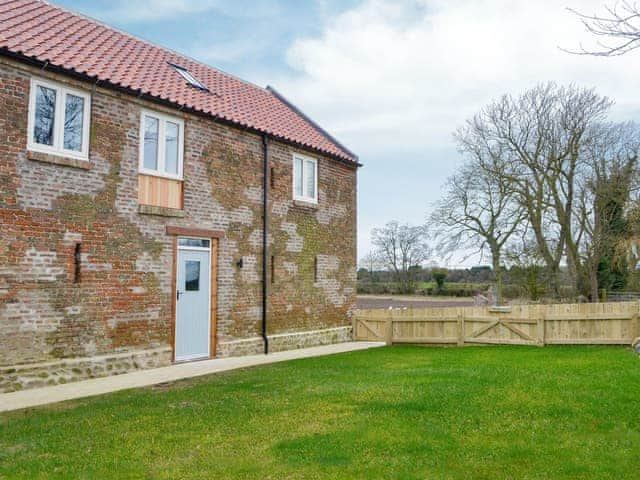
(570,324)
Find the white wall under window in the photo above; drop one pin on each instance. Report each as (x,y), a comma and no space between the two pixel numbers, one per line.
(59,120)
(305,178)
(161,145)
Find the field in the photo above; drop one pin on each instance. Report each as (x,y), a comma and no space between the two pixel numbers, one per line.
(396,412)
(450,289)
(453,285)
(411,301)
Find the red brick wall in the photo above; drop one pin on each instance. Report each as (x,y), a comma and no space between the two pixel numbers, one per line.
(124,299)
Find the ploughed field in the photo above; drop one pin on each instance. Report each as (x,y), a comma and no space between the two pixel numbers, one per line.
(365,302)
(395,412)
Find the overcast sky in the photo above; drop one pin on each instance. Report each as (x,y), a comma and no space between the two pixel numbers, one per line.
(391,79)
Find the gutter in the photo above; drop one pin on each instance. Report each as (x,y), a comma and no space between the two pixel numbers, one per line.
(265,245)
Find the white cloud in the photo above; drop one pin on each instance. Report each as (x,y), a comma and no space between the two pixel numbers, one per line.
(392,76)
(380,71)
(154,10)
(212,52)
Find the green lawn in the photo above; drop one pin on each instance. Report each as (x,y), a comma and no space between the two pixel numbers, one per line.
(400,412)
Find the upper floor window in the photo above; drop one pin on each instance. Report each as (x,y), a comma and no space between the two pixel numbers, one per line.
(162,145)
(305,179)
(58,120)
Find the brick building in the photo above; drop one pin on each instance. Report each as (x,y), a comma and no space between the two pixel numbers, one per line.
(151,207)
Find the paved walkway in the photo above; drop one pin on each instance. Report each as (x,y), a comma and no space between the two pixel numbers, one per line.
(144,378)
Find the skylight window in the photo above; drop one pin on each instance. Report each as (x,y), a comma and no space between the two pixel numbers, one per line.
(191,80)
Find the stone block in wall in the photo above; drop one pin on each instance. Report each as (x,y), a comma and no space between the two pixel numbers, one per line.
(35,375)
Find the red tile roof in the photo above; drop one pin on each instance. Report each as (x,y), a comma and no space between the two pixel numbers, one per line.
(47,33)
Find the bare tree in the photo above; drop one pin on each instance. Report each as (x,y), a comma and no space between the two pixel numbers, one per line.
(400,247)
(526,268)
(605,196)
(539,137)
(478,212)
(371,262)
(619,25)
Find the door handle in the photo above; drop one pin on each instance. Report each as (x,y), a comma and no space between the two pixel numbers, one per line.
(178,292)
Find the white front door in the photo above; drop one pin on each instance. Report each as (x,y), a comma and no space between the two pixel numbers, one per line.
(193,297)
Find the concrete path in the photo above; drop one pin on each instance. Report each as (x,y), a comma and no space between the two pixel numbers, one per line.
(144,378)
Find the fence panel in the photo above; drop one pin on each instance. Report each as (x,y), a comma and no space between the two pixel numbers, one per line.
(578,324)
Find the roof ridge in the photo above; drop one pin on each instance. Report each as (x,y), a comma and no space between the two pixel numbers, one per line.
(149,42)
(317,127)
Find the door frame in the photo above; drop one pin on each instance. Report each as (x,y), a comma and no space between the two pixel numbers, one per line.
(214,237)
(208,270)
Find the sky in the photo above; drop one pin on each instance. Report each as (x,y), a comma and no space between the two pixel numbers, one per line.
(392,80)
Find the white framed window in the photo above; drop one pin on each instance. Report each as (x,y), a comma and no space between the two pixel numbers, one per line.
(161,145)
(305,178)
(58,120)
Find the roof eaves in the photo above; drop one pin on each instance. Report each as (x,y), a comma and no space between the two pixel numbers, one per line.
(321,130)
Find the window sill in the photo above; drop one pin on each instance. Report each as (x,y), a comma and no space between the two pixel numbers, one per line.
(58,160)
(160,211)
(305,205)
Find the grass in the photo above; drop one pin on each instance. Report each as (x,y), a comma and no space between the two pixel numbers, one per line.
(400,412)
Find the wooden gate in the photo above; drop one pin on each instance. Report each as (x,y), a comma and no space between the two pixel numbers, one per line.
(578,324)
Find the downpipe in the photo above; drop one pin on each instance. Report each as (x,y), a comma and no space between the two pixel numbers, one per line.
(265,224)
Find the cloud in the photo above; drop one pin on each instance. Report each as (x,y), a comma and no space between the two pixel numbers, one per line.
(153,10)
(156,10)
(394,79)
(235,50)
(402,70)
